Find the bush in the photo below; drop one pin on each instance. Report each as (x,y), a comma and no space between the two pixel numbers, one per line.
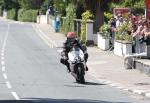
(20,14)
(104,30)
(107,16)
(122,33)
(12,14)
(1,11)
(27,15)
(87,15)
(68,22)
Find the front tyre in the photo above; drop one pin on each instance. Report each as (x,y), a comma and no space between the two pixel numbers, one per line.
(81,74)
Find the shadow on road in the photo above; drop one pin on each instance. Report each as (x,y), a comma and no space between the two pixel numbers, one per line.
(93,83)
(41,100)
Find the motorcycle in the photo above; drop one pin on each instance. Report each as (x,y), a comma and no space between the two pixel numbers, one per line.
(77,64)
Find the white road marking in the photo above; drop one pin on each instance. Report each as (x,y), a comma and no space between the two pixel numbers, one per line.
(45,38)
(3,68)
(5,76)
(2,58)
(15,95)
(4,43)
(2,54)
(8,85)
(3,63)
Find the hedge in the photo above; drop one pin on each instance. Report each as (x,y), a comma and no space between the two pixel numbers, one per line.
(27,15)
(12,14)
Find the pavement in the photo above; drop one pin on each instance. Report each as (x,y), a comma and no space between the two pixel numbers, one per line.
(105,66)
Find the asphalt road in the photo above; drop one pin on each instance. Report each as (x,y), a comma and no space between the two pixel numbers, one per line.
(31,73)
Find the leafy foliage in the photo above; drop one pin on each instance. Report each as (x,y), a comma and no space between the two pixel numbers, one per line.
(27,15)
(45,5)
(68,24)
(9,4)
(122,33)
(107,16)
(12,14)
(85,16)
(104,30)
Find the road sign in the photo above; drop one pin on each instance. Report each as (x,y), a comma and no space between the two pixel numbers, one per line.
(148,9)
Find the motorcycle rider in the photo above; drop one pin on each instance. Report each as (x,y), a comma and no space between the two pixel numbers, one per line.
(67,46)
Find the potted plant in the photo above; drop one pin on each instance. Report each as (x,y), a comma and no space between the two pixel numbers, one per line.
(123,40)
(104,37)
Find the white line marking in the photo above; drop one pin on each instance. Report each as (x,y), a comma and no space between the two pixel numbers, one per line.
(2,54)
(8,85)
(15,95)
(3,68)
(46,37)
(5,39)
(2,58)
(5,75)
(3,63)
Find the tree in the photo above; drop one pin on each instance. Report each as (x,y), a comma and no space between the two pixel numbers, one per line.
(97,7)
(30,4)
(9,4)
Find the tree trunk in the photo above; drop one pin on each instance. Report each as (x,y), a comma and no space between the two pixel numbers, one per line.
(99,18)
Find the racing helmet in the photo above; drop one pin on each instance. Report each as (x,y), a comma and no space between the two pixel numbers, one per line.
(70,35)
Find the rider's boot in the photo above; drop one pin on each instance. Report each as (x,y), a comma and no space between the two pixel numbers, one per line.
(87,68)
(68,67)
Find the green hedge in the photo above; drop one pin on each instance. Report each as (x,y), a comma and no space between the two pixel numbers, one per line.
(27,15)
(1,12)
(12,14)
(20,14)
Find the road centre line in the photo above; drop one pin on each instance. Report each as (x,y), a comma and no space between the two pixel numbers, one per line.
(8,85)
(5,76)
(2,58)
(2,54)
(15,95)
(3,63)
(3,68)
(4,44)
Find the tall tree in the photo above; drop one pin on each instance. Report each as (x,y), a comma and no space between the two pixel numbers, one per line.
(9,4)
(97,7)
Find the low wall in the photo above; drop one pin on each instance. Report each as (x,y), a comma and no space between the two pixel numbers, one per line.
(42,19)
(143,65)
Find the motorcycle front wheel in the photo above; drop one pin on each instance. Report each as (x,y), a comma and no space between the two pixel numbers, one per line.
(80,74)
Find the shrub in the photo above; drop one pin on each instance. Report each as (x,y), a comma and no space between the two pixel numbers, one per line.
(1,12)
(68,22)
(27,15)
(20,14)
(104,30)
(12,14)
(85,16)
(122,33)
(107,16)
